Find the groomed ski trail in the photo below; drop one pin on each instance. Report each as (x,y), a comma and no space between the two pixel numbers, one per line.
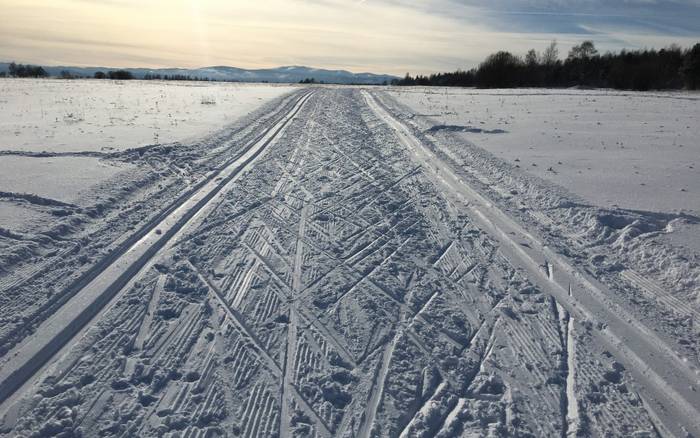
(635,345)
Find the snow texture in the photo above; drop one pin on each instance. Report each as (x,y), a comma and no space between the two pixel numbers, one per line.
(340,263)
(60,116)
(630,150)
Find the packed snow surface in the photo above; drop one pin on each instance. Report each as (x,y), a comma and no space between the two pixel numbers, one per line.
(347,262)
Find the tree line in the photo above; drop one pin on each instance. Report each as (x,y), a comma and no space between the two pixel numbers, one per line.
(25,71)
(15,70)
(668,68)
(174,77)
(665,69)
(125,75)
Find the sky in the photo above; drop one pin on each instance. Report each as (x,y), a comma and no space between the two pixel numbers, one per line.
(381,36)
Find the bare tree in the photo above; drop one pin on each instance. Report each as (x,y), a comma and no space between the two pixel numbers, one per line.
(550,56)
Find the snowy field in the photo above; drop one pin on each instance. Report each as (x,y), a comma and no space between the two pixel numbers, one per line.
(101,115)
(61,140)
(353,262)
(633,150)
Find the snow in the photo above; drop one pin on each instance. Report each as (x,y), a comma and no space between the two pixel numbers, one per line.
(64,179)
(20,218)
(102,115)
(632,150)
(339,262)
(55,134)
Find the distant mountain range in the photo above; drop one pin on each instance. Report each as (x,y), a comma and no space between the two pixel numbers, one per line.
(292,74)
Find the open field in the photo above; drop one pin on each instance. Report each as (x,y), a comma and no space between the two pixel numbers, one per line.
(76,143)
(613,148)
(62,116)
(358,262)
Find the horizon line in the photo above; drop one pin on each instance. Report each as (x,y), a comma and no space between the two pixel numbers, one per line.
(195,68)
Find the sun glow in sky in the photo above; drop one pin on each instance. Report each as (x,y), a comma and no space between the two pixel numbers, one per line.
(383,36)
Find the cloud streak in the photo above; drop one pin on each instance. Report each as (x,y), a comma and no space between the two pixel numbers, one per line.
(392,36)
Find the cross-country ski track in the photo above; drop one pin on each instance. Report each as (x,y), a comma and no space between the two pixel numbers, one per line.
(22,362)
(338,272)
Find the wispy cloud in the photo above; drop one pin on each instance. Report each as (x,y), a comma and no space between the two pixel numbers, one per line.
(391,36)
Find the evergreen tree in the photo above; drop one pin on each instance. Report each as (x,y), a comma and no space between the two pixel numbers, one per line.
(691,68)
